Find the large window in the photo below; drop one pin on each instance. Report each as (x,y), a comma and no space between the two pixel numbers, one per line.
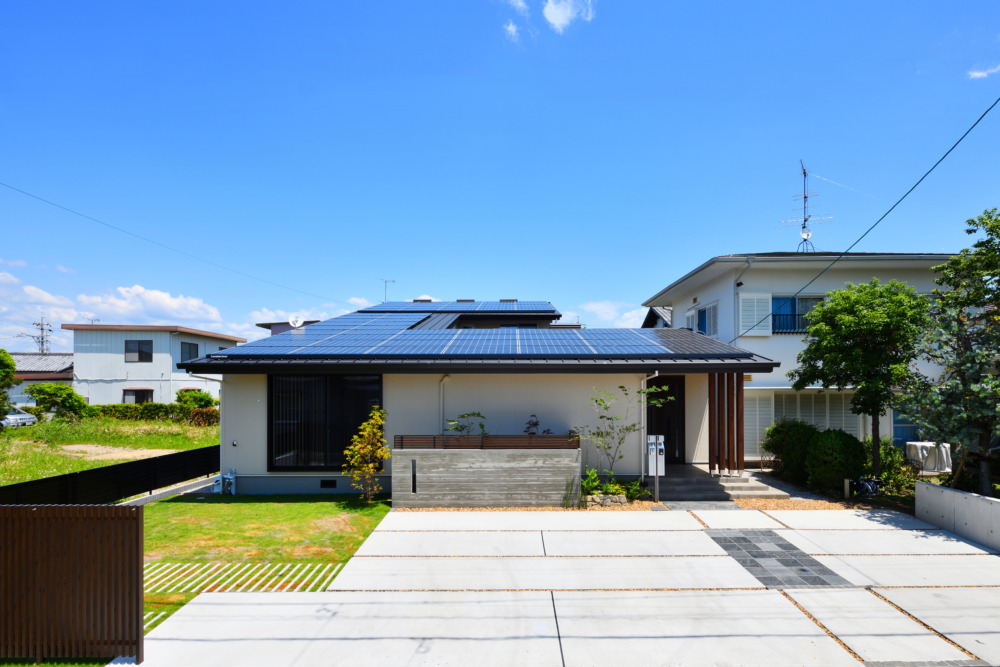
(137,396)
(138,351)
(311,418)
(789,313)
(189,351)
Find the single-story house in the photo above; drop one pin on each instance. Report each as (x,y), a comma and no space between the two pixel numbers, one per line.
(35,368)
(292,401)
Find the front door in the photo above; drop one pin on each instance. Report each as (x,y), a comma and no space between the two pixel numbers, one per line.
(668,419)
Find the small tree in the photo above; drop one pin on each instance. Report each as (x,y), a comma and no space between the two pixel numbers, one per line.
(7,381)
(863,336)
(612,429)
(962,404)
(61,398)
(194,399)
(365,454)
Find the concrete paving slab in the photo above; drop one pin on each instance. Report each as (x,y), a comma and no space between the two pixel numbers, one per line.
(882,542)
(538,521)
(966,616)
(478,543)
(630,543)
(740,519)
(550,573)
(848,520)
(873,629)
(273,629)
(691,628)
(916,570)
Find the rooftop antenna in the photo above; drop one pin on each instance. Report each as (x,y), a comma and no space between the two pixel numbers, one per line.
(385,288)
(805,245)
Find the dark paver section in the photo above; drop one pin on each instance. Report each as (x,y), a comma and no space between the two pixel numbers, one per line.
(773,560)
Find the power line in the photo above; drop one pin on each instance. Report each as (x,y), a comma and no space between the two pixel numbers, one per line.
(867,231)
(171,248)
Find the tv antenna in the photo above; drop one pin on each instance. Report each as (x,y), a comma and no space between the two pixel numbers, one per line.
(385,288)
(805,245)
(295,320)
(42,339)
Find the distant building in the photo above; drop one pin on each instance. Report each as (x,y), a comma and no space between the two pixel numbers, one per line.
(33,368)
(129,363)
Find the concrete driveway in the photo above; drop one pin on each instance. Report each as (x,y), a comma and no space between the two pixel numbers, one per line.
(700,587)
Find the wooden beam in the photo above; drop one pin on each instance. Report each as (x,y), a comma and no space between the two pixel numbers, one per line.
(730,423)
(739,421)
(713,435)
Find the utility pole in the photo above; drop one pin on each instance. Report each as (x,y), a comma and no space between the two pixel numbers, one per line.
(42,339)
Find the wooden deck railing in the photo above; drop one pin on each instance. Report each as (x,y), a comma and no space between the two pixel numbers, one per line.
(70,581)
(486,442)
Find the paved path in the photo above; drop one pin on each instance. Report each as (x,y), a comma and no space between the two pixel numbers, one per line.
(701,587)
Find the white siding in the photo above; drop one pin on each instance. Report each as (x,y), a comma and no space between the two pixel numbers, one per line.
(758,414)
(822,410)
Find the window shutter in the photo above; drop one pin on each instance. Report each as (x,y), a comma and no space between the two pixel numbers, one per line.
(692,320)
(712,320)
(841,416)
(757,416)
(755,315)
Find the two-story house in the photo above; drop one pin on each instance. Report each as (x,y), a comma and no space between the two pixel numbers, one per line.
(751,301)
(130,363)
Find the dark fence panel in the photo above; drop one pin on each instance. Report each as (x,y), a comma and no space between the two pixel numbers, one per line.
(71,581)
(115,482)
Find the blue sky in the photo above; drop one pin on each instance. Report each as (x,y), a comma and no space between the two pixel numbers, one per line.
(585,153)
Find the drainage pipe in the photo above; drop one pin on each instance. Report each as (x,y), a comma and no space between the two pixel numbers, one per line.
(444,378)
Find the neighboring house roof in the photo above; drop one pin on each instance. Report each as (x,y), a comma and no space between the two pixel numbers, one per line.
(379,339)
(34,366)
(802,260)
(269,325)
(151,327)
(658,313)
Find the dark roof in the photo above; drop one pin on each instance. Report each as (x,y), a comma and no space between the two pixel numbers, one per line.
(662,313)
(32,362)
(502,307)
(397,341)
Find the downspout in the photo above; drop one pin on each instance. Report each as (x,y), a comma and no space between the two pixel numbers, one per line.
(736,300)
(642,437)
(444,378)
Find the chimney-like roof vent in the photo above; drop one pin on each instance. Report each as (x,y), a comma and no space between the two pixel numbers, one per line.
(422,300)
(465,300)
(508,300)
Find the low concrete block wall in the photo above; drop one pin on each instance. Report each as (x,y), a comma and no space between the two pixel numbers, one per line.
(485,478)
(970,515)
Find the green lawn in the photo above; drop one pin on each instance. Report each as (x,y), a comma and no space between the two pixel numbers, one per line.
(301,528)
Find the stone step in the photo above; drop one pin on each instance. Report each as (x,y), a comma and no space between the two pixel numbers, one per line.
(716,490)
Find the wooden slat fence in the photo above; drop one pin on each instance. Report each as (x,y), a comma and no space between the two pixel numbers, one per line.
(71,581)
(112,483)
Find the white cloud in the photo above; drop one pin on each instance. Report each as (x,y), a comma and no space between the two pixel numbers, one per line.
(139,305)
(520,5)
(37,295)
(511,30)
(8,279)
(360,302)
(631,319)
(983,73)
(610,313)
(424,297)
(13,262)
(64,269)
(560,13)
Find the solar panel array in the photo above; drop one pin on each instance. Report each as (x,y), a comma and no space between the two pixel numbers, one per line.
(462,307)
(375,335)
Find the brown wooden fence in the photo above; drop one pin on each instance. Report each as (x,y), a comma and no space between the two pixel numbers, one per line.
(70,581)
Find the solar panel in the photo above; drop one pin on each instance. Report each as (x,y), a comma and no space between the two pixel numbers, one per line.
(463,307)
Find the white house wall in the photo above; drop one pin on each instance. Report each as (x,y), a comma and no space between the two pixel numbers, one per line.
(101,373)
(412,403)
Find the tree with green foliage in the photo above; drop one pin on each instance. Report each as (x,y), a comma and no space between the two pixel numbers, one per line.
(195,399)
(615,426)
(365,454)
(7,381)
(962,404)
(61,398)
(863,337)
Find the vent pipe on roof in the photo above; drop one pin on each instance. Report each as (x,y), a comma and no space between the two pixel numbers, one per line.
(508,300)
(422,300)
(465,300)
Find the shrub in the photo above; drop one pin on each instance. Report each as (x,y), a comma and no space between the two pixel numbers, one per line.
(195,399)
(788,441)
(365,454)
(204,417)
(634,491)
(833,456)
(897,475)
(60,398)
(37,411)
(612,488)
(591,483)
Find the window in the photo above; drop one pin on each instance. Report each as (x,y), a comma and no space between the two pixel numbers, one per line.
(789,311)
(138,351)
(189,351)
(137,396)
(704,320)
(758,414)
(755,314)
(311,418)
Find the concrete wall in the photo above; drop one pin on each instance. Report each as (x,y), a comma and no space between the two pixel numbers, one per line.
(486,478)
(101,373)
(415,405)
(969,515)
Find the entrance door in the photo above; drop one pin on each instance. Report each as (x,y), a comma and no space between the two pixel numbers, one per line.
(668,419)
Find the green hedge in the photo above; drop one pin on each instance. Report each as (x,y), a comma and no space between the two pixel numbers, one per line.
(789,441)
(177,412)
(833,456)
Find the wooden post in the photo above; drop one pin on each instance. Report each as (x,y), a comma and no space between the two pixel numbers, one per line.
(739,422)
(713,434)
(730,423)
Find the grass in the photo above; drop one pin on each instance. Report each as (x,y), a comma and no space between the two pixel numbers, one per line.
(118,433)
(301,528)
(21,461)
